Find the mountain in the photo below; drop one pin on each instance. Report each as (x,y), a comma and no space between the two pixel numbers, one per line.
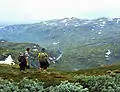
(67,30)
(84,42)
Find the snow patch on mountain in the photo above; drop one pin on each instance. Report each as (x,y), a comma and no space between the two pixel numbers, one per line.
(107,53)
(53,24)
(66,24)
(2,41)
(93,38)
(55,43)
(87,21)
(99,33)
(118,20)
(110,19)
(1,27)
(64,21)
(8,61)
(45,23)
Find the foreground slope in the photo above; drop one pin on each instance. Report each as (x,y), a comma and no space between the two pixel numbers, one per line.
(52,76)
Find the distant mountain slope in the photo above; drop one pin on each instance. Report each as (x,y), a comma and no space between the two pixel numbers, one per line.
(66,31)
(84,42)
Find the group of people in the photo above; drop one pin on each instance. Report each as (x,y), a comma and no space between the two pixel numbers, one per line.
(25,62)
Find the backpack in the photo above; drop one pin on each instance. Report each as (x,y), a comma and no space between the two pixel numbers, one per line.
(42,56)
(21,58)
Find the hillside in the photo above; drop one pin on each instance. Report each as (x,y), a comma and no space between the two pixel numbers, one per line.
(11,48)
(54,77)
(84,43)
(91,55)
(14,49)
(12,72)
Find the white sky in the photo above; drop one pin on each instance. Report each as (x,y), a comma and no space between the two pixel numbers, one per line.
(25,11)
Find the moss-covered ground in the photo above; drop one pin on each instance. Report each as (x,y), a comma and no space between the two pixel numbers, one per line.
(52,77)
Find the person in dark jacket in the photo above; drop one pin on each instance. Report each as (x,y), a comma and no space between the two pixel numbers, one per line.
(22,60)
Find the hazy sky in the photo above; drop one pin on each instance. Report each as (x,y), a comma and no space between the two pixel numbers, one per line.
(25,11)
